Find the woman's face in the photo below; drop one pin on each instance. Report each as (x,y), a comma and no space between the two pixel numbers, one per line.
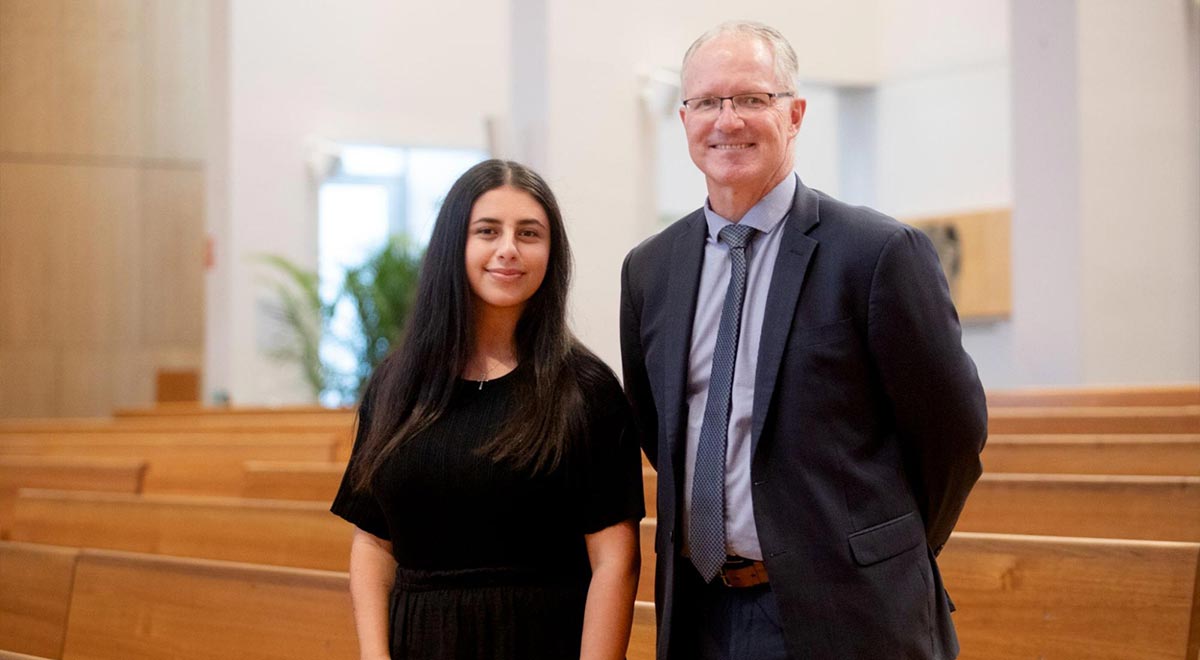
(508,248)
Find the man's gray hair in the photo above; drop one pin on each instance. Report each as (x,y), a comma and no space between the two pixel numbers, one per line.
(787,66)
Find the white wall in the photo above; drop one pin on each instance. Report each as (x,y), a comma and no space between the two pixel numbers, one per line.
(353,71)
(602,142)
(1139,190)
(1081,115)
(943,134)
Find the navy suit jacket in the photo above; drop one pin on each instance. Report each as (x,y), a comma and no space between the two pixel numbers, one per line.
(868,420)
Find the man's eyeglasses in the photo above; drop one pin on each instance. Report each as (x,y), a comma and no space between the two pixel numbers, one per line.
(743,104)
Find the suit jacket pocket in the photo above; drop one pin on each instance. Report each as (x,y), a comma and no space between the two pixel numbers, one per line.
(886,540)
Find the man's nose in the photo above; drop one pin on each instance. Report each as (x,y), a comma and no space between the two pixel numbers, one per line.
(727,116)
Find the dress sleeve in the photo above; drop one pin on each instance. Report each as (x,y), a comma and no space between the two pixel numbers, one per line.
(610,471)
(360,506)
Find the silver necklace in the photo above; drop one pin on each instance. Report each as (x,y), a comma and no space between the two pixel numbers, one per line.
(486,375)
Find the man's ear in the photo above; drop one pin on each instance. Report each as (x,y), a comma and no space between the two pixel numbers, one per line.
(799,105)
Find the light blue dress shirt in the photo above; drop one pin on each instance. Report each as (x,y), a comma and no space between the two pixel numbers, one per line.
(767,216)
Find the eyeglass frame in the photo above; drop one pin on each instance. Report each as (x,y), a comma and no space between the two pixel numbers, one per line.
(722,99)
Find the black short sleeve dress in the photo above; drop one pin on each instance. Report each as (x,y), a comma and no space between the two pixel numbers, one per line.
(491,561)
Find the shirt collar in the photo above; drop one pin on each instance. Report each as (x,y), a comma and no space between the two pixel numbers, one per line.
(765,215)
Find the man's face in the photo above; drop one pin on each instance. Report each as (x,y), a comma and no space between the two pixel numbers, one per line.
(750,152)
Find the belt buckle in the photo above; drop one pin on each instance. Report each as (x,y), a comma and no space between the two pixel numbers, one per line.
(758,574)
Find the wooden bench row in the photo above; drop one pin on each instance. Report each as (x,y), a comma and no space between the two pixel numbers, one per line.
(1017,597)
(1124,420)
(1157,455)
(200,462)
(1102,506)
(1001,420)
(304,534)
(1085,397)
(103,605)
(1181,394)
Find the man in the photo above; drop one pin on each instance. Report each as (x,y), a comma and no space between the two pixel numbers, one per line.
(803,391)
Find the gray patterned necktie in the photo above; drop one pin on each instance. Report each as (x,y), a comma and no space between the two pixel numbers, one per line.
(706,529)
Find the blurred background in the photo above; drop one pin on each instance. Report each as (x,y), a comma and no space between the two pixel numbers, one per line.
(204,199)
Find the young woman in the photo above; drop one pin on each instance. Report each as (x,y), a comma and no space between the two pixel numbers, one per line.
(495,480)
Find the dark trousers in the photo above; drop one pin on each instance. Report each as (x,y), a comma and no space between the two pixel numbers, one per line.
(733,624)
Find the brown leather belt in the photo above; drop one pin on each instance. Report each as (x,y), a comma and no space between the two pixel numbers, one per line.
(740,573)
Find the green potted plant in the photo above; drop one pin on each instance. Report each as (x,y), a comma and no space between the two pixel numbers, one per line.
(380,291)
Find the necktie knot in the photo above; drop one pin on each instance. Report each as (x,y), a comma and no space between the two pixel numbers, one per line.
(736,236)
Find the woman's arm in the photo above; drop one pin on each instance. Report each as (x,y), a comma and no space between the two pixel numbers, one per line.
(372,573)
(608,615)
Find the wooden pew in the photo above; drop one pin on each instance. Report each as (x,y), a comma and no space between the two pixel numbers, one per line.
(104,474)
(1102,506)
(1123,420)
(193,410)
(1156,508)
(10,655)
(199,462)
(1137,396)
(137,607)
(642,637)
(292,480)
(35,594)
(1072,599)
(277,532)
(1021,597)
(1177,455)
(334,422)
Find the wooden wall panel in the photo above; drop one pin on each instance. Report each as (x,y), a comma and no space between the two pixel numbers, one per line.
(102,133)
(29,55)
(95,248)
(28,382)
(26,255)
(175,78)
(172,251)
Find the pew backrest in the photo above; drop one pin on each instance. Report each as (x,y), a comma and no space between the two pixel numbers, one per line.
(205,610)
(292,480)
(1136,396)
(103,474)
(1021,597)
(1101,506)
(276,532)
(1072,599)
(1122,420)
(35,596)
(202,462)
(1164,455)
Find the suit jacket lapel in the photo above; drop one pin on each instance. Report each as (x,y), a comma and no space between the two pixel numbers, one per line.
(795,251)
(688,255)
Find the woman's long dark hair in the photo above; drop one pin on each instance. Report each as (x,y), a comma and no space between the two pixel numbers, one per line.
(412,387)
